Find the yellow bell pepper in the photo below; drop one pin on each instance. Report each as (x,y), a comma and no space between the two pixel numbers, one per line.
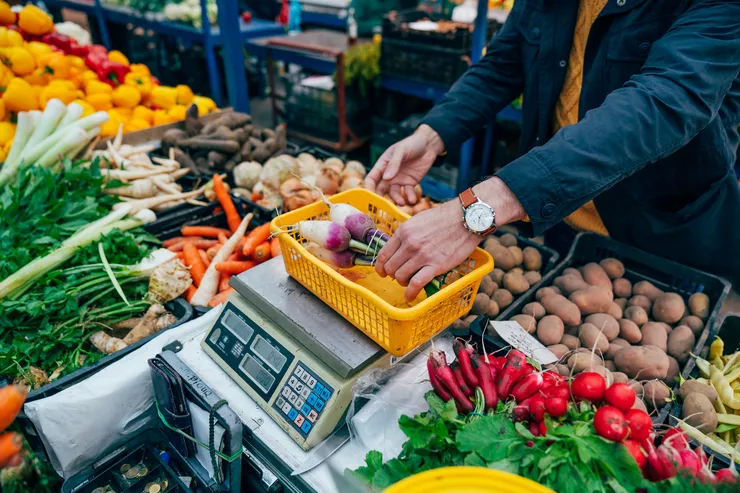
(184,94)
(15,38)
(87,108)
(143,113)
(5,77)
(120,114)
(140,68)
(20,60)
(110,128)
(76,62)
(133,125)
(177,113)
(7,16)
(35,21)
(3,154)
(142,82)
(126,96)
(89,75)
(38,48)
(205,105)
(100,101)
(57,89)
(97,87)
(38,77)
(163,97)
(117,56)
(55,64)
(3,113)
(162,118)
(7,132)
(20,96)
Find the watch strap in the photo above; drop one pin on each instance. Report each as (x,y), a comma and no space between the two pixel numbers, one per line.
(468,198)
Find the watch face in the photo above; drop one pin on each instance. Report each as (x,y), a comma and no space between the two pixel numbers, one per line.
(479,217)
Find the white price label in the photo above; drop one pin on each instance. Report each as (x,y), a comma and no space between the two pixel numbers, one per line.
(514,334)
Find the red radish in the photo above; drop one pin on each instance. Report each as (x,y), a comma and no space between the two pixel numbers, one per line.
(445,376)
(343,260)
(550,379)
(463,356)
(688,460)
(455,367)
(556,406)
(521,411)
(588,386)
(668,459)
(534,429)
(440,390)
(621,396)
(537,408)
(494,372)
(726,476)
(561,391)
(497,362)
(543,428)
(483,372)
(515,361)
(676,438)
(639,423)
(699,451)
(526,387)
(527,369)
(636,451)
(706,476)
(529,443)
(609,423)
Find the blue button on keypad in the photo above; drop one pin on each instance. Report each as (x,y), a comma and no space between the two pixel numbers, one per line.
(319,405)
(305,409)
(311,399)
(306,427)
(325,394)
(292,414)
(318,388)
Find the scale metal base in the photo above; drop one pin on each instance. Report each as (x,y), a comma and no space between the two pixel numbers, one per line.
(291,353)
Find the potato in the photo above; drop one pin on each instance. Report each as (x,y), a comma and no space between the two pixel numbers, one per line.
(486,286)
(646,288)
(550,290)
(507,240)
(480,304)
(559,350)
(517,270)
(516,252)
(534,309)
(680,343)
(607,324)
(615,311)
(691,386)
(642,301)
(570,284)
(493,309)
(655,393)
(571,270)
(604,372)
(637,387)
(673,369)
(642,361)
(609,365)
(613,267)
(459,324)
(612,351)
(653,334)
(620,342)
(563,370)
(699,305)
(503,298)
(639,404)
(621,303)
(497,276)
(532,277)
(620,377)
(490,242)
(668,308)
(532,258)
(502,257)
(559,306)
(694,323)
(572,342)
(469,319)
(666,327)
(591,337)
(595,275)
(527,322)
(594,299)
(636,314)
(699,412)
(550,330)
(579,362)
(622,287)
(629,331)
(515,283)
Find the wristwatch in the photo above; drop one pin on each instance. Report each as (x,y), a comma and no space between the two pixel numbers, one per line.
(478,217)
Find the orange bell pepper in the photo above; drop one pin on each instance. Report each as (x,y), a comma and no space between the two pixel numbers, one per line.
(100,101)
(35,21)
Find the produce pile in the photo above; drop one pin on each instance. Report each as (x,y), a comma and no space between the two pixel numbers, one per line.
(578,434)
(184,11)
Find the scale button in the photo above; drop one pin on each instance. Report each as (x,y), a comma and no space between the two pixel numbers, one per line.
(313,415)
(306,427)
(299,403)
(215,335)
(299,420)
(318,389)
(286,392)
(298,371)
(292,414)
(319,405)
(292,397)
(299,387)
(286,408)
(311,399)
(279,403)
(305,392)
(305,377)
(292,381)
(305,409)
(311,382)
(325,394)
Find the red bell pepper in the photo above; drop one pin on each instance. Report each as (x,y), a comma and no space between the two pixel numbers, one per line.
(79,50)
(95,60)
(58,40)
(155,81)
(99,49)
(112,73)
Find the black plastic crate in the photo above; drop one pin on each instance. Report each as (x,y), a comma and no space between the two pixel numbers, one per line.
(422,63)
(460,37)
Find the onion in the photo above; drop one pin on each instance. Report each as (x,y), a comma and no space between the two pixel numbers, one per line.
(328,181)
(351,182)
(334,163)
(355,166)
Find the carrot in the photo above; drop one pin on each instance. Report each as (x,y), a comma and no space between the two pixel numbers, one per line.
(217,210)
(262,252)
(178,239)
(204,257)
(275,247)
(255,196)
(190,292)
(234,266)
(194,263)
(10,446)
(211,252)
(255,238)
(181,256)
(232,215)
(208,231)
(235,256)
(222,238)
(223,285)
(11,401)
(202,244)
(220,297)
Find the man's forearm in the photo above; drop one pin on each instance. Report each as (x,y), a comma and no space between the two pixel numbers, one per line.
(432,138)
(498,195)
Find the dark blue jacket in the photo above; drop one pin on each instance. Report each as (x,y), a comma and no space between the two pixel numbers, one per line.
(658,130)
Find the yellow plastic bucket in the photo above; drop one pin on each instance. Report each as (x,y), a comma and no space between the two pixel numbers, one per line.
(465,479)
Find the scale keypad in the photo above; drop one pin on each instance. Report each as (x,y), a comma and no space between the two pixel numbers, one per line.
(303,398)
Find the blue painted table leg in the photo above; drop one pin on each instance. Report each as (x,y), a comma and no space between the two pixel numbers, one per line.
(233,50)
(100,17)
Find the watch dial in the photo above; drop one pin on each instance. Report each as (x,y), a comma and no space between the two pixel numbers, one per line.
(479,217)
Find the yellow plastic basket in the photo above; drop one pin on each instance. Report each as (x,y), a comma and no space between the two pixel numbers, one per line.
(397,329)
(466,479)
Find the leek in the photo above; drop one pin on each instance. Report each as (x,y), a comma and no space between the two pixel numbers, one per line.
(74,112)
(22,134)
(50,118)
(72,138)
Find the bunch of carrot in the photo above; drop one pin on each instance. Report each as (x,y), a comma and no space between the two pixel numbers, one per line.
(11,401)
(199,246)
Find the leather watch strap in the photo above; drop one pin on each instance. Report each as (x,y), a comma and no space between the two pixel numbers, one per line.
(468,198)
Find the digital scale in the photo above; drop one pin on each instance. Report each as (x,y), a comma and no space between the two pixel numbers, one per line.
(294,355)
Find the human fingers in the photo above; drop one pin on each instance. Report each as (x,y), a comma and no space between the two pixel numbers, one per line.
(410,194)
(399,257)
(376,174)
(394,162)
(420,279)
(406,272)
(385,255)
(396,195)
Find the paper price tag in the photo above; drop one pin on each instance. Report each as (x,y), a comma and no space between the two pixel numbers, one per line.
(514,334)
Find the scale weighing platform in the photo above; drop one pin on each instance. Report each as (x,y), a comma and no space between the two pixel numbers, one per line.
(290,352)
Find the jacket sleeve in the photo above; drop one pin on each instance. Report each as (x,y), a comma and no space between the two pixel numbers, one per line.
(677,93)
(484,90)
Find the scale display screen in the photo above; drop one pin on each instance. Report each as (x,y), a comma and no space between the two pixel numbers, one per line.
(268,353)
(257,373)
(237,326)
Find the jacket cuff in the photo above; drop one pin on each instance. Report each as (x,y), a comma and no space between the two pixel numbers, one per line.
(537,190)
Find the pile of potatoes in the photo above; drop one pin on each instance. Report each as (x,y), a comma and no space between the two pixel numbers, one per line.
(515,271)
(592,317)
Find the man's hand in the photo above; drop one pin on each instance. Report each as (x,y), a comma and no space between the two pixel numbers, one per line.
(404,164)
(436,241)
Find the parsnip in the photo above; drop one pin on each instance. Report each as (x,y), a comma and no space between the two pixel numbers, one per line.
(138,189)
(150,203)
(106,343)
(146,326)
